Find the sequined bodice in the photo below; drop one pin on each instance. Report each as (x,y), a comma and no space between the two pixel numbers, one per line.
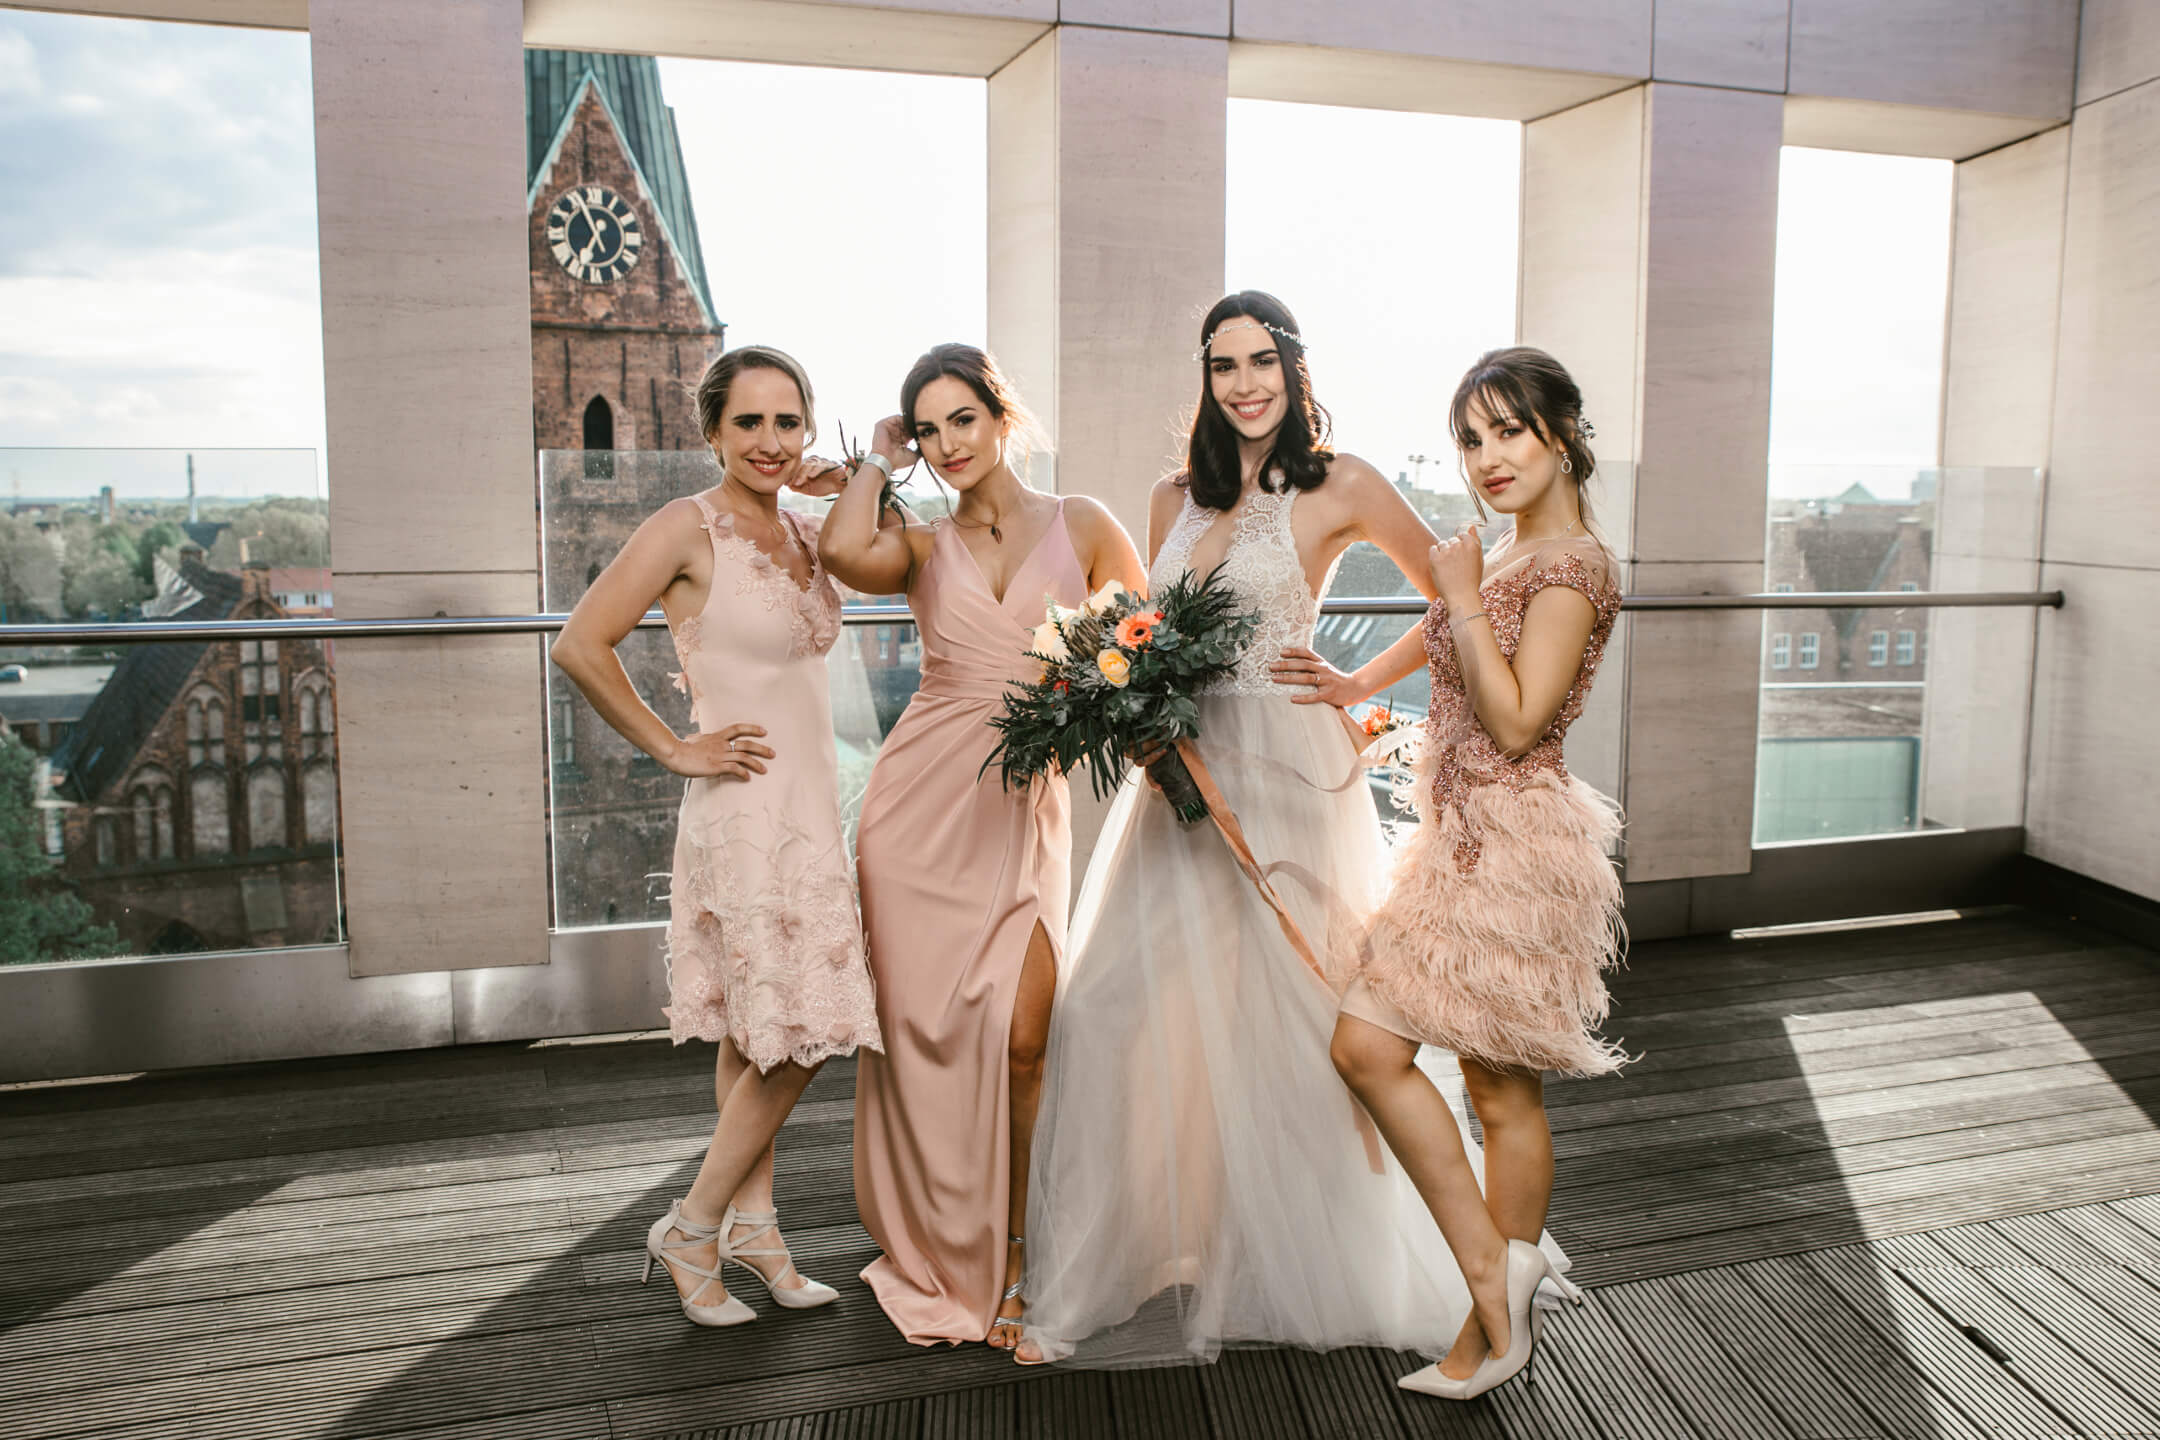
(1461,754)
(1263,569)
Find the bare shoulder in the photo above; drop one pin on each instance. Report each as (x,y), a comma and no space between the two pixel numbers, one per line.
(678,522)
(1354,476)
(1088,517)
(1166,492)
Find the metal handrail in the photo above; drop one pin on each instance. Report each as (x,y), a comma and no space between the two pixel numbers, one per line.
(130,631)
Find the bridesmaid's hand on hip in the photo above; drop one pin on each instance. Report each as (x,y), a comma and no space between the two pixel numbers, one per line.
(724,754)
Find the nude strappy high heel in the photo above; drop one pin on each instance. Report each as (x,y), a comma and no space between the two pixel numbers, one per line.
(806,1296)
(671,1255)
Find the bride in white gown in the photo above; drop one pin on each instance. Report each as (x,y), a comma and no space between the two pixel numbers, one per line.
(1201,1175)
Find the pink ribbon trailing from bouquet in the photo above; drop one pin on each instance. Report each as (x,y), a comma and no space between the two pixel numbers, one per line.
(1233,834)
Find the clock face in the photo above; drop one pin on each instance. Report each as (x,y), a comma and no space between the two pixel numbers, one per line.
(594,234)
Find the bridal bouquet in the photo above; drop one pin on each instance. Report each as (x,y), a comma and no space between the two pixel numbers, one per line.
(1118,679)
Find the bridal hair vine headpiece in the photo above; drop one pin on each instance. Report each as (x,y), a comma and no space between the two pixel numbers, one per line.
(1589,431)
(1248,322)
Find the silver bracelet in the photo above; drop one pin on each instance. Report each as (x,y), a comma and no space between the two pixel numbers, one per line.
(871,457)
(1465,619)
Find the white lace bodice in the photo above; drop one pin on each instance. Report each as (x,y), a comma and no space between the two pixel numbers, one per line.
(1263,568)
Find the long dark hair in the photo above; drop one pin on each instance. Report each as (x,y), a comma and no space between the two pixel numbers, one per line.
(1526,383)
(1212,475)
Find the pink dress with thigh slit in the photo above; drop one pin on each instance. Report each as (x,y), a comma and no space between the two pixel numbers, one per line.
(956,872)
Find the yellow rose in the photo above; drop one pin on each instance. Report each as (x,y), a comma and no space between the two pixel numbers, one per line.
(1104,598)
(1114,666)
(1047,641)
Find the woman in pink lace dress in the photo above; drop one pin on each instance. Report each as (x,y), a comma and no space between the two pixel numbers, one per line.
(765,949)
(1503,910)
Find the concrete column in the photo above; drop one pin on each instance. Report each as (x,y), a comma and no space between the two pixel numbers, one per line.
(1107,152)
(419,158)
(1106,244)
(1998,403)
(2095,690)
(1648,256)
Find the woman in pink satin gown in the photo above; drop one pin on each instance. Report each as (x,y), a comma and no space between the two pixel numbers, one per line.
(965,885)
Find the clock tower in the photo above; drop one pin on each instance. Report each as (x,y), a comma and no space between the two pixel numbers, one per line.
(622,317)
(622,326)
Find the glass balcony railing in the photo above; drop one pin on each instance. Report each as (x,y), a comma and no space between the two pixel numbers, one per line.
(181,793)
(179,796)
(612,810)
(1894,718)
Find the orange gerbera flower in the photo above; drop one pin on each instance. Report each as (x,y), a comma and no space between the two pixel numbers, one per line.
(1135,631)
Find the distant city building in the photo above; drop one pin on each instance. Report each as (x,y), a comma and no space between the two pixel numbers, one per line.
(301,590)
(199,787)
(48,700)
(1852,542)
(1843,690)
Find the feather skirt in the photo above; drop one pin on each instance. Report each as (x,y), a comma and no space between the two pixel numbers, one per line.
(1504,961)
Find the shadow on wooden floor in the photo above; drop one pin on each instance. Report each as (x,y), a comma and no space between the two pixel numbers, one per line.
(1880,1182)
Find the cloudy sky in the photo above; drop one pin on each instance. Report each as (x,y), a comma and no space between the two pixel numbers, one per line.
(160,284)
(161,288)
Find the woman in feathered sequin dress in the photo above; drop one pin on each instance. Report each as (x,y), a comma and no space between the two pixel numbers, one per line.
(1503,910)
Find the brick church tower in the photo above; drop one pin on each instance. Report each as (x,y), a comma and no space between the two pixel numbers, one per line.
(622,324)
(622,315)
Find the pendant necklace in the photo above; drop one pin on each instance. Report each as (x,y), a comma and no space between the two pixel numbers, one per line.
(996,535)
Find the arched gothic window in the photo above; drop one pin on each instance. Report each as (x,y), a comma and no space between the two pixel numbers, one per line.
(311,698)
(150,804)
(599,424)
(210,811)
(318,803)
(266,807)
(599,439)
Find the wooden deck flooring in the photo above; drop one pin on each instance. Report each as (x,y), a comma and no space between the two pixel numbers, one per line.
(1887,1182)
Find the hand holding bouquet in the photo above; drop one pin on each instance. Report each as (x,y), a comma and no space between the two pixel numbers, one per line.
(1119,676)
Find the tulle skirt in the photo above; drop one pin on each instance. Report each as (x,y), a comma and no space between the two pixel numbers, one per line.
(1200,1173)
(1502,961)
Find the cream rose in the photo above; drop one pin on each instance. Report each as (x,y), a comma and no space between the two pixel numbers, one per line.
(1101,601)
(1114,666)
(1047,641)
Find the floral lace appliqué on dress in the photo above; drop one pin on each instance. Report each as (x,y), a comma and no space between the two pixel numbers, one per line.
(764,943)
(813,610)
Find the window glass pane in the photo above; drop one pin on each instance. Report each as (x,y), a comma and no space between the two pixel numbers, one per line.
(164,374)
(1855,398)
(856,316)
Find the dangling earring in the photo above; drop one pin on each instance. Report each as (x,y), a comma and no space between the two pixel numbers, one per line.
(1567,466)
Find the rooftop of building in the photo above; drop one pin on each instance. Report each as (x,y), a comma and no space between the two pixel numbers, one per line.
(141,688)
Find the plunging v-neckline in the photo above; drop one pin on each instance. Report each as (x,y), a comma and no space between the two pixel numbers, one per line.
(1057,521)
